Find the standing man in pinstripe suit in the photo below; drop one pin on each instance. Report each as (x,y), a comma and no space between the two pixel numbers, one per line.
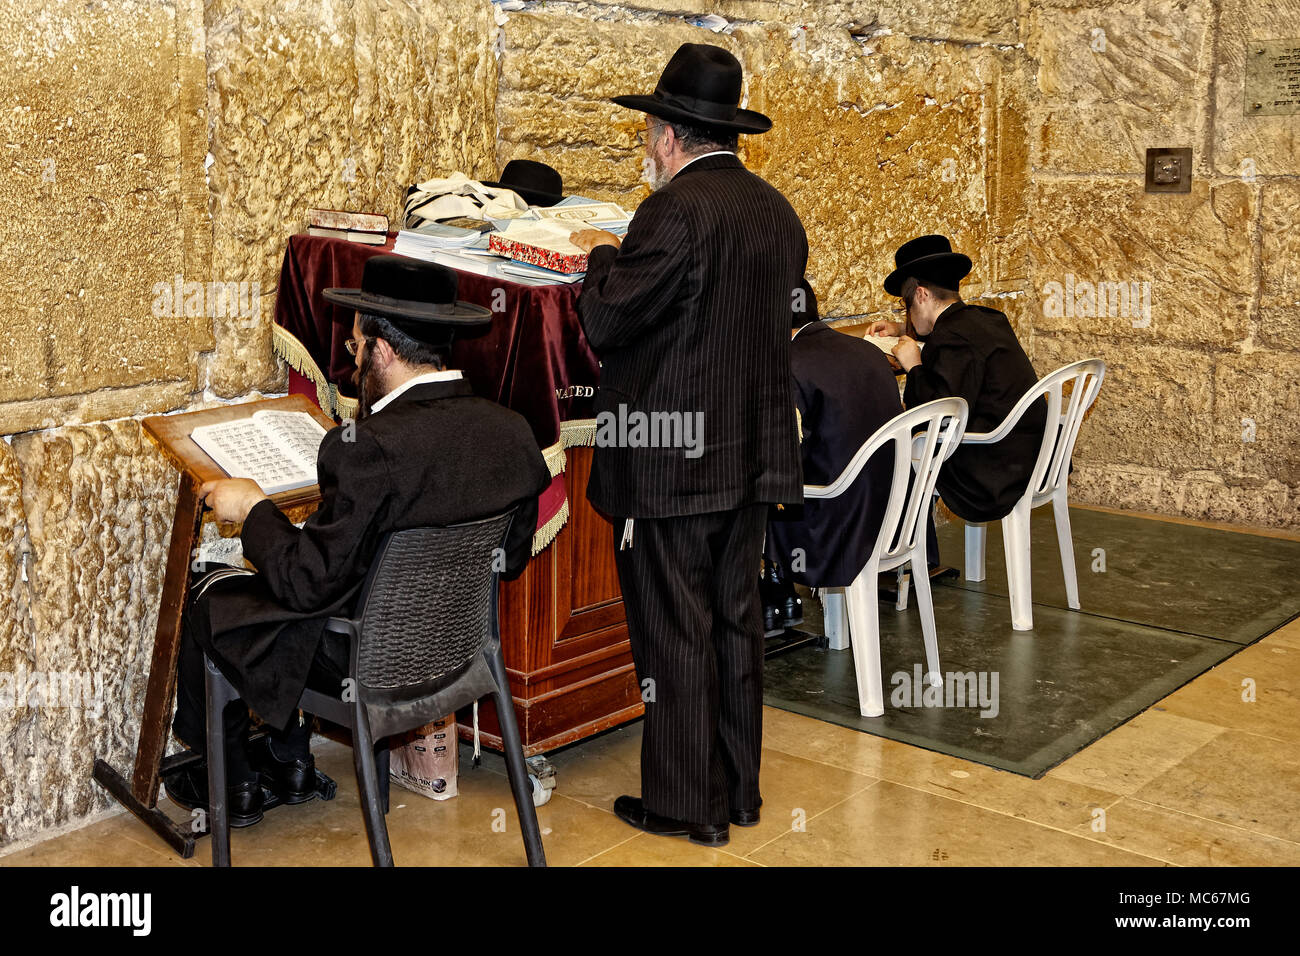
(696,437)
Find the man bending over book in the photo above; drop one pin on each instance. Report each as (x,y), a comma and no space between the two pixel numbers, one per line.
(423,452)
(970,352)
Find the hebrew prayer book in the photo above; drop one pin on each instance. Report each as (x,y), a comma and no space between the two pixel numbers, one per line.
(276,449)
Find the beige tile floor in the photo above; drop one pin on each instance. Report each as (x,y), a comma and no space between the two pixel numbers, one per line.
(1205,777)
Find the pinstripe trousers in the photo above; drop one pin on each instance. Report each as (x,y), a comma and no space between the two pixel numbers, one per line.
(690,589)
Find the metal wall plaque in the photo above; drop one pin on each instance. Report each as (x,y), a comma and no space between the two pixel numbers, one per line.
(1272,77)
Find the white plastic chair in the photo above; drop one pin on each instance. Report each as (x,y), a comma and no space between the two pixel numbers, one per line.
(901,540)
(1048,483)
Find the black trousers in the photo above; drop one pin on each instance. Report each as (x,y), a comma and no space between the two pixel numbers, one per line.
(690,588)
(329,668)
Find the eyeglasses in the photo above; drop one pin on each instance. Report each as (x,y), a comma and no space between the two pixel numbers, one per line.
(351,345)
(644,135)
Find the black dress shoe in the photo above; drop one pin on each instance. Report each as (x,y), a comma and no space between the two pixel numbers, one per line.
(792,607)
(745,818)
(631,810)
(772,620)
(293,781)
(188,788)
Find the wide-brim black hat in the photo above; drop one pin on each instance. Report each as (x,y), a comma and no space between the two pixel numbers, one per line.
(536,183)
(418,297)
(701,86)
(930,258)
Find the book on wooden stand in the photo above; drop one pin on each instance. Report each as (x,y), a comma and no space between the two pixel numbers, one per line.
(276,449)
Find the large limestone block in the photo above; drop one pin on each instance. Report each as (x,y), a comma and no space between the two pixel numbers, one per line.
(1257,416)
(1190,255)
(874,145)
(1279,301)
(1119,78)
(17,771)
(91,207)
(1244,143)
(99,502)
(1155,408)
(335,104)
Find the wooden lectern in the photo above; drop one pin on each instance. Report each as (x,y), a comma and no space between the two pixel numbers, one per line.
(171,433)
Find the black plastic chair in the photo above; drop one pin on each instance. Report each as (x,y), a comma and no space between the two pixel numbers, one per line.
(425,642)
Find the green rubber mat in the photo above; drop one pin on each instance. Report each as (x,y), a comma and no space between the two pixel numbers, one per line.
(1223,584)
(1173,601)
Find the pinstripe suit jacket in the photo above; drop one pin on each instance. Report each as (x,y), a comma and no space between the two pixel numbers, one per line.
(692,315)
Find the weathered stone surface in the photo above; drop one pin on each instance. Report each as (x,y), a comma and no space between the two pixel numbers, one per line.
(1194,250)
(99,502)
(1119,79)
(17,784)
(874,149)
(1271,144)
(90,203)
(334,104)
(96,406)
(1279,291)
(1209,497)
(1256,414)
(1155,408)
(558,72)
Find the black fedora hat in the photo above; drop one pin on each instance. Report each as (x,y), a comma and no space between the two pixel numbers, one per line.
(701,86)
(930,258)
(536,183)
(418,297)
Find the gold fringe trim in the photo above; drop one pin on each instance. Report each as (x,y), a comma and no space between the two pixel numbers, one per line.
(547,533)
(289,348)
(580,431)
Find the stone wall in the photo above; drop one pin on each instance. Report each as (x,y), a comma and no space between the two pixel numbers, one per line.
(155,142)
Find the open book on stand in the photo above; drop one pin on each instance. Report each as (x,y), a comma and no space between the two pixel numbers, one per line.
(276,449)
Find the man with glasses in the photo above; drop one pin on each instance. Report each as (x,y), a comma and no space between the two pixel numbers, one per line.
(971,352)
(423,452)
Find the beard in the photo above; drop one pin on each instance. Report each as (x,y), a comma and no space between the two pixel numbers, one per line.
(369,388)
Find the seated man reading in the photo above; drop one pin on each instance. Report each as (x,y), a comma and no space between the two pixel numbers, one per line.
(845,390)
(971,352)
(423,452)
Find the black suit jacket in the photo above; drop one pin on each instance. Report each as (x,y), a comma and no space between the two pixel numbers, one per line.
(845,390)
(973,353)
(692,315)
(436,455)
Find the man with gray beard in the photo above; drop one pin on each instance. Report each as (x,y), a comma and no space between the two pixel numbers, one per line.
(691,315)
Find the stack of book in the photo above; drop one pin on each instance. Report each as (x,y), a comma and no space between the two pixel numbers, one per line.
(367,227)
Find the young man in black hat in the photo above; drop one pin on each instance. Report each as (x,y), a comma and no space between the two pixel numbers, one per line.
(423,452)
(691,317)
(970,352)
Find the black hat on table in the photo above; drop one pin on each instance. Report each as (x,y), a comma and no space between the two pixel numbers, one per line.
(700,86)
(416,296)
(536,183)
(930,258)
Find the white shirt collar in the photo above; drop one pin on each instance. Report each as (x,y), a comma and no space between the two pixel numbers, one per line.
(716,152)
(801,328)
(449,375)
